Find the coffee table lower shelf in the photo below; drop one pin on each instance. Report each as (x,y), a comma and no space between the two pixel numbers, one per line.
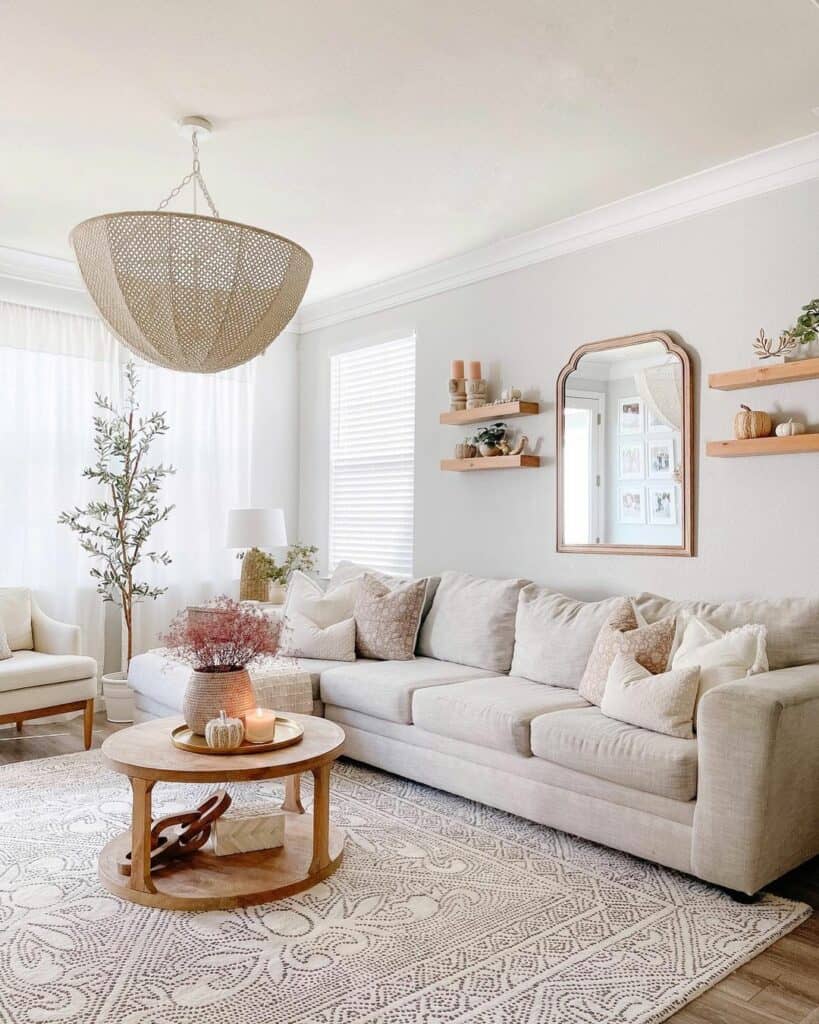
(203,881)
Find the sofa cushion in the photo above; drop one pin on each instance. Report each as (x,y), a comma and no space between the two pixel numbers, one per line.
(5,650)
(555,634)
(15,615)
(30,668)
(793,623)
(346,571)
(472,622)
(587,741)
(384,689)
(387,619)
(493,712)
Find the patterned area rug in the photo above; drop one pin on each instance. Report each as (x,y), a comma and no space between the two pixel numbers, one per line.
(443,911)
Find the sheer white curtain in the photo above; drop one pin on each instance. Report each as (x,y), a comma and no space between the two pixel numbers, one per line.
(51,365)
(210,421)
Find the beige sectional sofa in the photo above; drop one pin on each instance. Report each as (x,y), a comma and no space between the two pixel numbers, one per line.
(477,713)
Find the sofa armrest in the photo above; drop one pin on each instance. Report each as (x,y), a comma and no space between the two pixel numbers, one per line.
(51,636)
(757,813)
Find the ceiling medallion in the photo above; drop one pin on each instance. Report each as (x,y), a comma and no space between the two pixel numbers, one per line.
(187,291)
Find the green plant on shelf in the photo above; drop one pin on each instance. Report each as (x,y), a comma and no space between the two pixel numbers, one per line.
(806,328)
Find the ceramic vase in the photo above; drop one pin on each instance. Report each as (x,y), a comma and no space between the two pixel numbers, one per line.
(208,693)
(488,450)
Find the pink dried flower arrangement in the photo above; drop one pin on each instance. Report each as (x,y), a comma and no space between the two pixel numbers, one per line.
(224,637)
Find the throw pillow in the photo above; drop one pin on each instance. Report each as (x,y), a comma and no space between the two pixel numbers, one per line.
(555,634)
(315,624)
(387,619)
(663,702)
(721,657)
(346,571)
(649,645)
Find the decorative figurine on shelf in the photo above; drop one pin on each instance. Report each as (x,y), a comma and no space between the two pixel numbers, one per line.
(490,438)
(476,387)
(750,423)
(507,449)
(510,395)
(767,348)
(466,449)
(457,386)
(790,428)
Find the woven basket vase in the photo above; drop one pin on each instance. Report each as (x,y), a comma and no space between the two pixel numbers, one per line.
(208,693)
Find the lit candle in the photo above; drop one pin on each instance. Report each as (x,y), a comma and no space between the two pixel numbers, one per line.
(260,725)
(457,369)
(474,372)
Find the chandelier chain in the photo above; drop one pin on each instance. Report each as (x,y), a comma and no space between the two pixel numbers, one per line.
(196,176)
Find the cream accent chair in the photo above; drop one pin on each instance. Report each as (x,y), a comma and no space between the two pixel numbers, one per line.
(46,674)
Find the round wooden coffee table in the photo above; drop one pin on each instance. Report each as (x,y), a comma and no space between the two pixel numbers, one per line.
(198,879)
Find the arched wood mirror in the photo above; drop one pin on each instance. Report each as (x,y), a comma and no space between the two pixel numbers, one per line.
(625,448)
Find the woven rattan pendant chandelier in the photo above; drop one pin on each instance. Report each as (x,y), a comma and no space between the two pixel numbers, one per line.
(187,291)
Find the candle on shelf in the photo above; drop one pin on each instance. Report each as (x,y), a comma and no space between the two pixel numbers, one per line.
(474,372)
(260,725)
(457,369)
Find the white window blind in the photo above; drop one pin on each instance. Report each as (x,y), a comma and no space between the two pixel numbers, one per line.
(372,456)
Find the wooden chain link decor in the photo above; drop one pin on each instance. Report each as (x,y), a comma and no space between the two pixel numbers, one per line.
(186,291)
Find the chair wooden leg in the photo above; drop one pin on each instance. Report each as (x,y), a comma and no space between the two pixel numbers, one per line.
(19,725)
(88,723)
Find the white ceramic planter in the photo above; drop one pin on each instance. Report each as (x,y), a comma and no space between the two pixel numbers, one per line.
(809,351)
(119,697)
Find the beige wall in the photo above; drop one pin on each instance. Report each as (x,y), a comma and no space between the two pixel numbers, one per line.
(714,280)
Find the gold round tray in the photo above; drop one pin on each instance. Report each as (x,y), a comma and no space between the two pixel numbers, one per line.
(287,733)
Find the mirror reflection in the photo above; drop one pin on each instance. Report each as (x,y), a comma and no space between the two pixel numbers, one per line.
(623,448)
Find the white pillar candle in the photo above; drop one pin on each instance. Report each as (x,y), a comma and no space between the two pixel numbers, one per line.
(260,725)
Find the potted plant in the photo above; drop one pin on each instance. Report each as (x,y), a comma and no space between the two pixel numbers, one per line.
(299,556)
(220,642)
(806,331)
(489,438)
(115,529)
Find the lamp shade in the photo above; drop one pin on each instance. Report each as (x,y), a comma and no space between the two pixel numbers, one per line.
(256,528)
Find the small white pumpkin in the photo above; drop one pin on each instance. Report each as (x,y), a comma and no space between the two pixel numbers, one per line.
(790,429)
(224,733)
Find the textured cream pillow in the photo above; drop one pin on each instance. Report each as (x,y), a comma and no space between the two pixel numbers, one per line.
(663,702)
(649,645)
(318,625)
(721,657)
(387,618)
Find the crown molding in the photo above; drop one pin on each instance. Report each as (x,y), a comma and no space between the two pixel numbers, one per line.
(765,171)
(54,282)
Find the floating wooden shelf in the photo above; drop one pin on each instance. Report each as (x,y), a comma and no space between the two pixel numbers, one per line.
(486,413)
(759,376)
(764,446)
(493,462)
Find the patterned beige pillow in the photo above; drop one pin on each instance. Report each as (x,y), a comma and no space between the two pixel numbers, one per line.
(663,703)
(649,645)
(387,618)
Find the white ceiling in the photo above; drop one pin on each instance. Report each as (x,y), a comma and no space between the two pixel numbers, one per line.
(381,134)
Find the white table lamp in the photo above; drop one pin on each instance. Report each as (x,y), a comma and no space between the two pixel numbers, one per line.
(253,529)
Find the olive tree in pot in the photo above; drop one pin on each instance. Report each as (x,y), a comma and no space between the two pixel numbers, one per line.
(115,529)
(220,642)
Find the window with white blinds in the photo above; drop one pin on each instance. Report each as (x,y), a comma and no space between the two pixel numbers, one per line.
(372,456)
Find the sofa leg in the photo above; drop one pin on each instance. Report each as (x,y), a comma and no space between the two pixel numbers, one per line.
(742,897)
(88,723)
(19,725)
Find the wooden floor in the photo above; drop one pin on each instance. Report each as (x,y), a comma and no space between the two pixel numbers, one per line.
(780,985)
